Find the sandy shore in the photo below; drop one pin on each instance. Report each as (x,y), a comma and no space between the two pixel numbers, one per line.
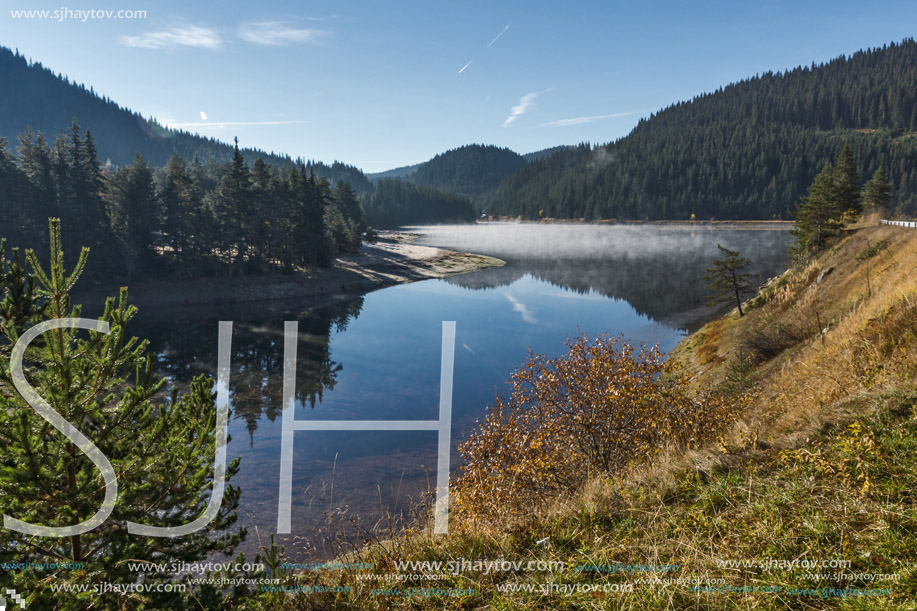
(394,259)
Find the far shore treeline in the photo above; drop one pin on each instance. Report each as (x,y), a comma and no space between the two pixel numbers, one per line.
(191,219)
(182,218)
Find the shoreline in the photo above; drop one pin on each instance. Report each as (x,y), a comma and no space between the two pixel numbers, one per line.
(774,224)
(393,259)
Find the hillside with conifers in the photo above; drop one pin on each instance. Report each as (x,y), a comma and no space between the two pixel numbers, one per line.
(184,220)
(34,97)
(746,151)
(469,170)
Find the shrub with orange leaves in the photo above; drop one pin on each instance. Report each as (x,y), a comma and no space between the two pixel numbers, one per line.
(598,409)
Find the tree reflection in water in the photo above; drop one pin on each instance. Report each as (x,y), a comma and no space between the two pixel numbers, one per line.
(185,344)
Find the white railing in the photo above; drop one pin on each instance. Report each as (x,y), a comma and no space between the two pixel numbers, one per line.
(911,224)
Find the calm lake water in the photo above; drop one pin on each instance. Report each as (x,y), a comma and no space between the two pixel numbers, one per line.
(378,357)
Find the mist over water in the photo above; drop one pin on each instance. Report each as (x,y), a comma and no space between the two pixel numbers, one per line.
(378,357)
(657,268)
(571,241)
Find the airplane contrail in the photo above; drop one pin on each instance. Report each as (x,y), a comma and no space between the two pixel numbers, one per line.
(497,37)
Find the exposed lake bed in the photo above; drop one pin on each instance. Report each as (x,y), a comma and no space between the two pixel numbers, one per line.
(393,259)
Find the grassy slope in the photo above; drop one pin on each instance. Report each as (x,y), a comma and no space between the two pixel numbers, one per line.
(823,467)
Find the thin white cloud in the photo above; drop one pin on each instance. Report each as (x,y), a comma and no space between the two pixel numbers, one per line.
(465,67)
(527,315)
(234,123)
(497,37)
(180,36)
(203,115)
(517,111)
(278,33)
(581,120)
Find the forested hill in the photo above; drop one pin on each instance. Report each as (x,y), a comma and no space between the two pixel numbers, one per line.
(400,172)
(745,151)
(398,202)
(32,96)
(536,155)
(468,170)
(453,170)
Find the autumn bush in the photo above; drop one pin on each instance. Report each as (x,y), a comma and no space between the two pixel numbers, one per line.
(600,408)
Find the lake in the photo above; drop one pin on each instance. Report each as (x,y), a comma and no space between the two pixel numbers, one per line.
(378,357)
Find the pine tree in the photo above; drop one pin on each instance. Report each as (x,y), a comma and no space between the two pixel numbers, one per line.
(182,217)
(161,450)
(43,181)
(309,199)
(38,196)
(26,152)
(321,201)
(727,279)
(79,179)
(346,199)
(818,216)
(344,219)
(134,214)
(847,190)
(12,215)
(877,193)
(258,229)
(19,302)
(231,205)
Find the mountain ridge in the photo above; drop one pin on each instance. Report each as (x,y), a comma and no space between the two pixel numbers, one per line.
(747,150)
(47,102)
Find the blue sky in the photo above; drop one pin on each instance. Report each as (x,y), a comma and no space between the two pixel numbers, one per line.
(383,84)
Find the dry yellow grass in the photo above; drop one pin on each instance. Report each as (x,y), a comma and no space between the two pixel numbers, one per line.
(859,334)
